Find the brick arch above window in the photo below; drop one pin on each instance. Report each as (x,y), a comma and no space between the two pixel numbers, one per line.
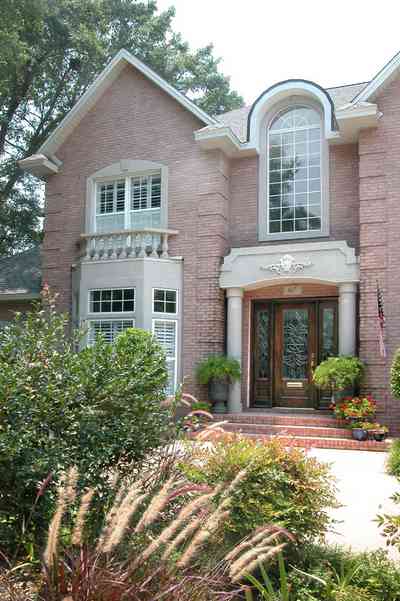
(128,194)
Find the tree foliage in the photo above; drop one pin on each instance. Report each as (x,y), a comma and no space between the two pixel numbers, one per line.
(50,52)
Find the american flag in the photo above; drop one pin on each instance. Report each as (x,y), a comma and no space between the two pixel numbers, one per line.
(381,320)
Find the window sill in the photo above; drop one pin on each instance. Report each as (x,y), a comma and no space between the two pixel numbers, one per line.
(292,236)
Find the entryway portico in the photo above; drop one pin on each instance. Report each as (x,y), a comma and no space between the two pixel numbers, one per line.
(282,300)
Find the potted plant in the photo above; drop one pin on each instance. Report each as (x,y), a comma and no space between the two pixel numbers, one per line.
(218,371)
(338,373)
(359,431)
(355,409)
(379,432)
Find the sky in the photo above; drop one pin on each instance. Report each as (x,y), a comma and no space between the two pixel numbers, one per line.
(262,42)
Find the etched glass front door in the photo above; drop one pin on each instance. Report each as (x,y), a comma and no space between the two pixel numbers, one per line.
(289,340)
(295,353)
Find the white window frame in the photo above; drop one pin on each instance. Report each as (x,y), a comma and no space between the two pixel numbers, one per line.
(165,290)
(125,170)
(263,198)
(90,312)
(91,341)
(175,358)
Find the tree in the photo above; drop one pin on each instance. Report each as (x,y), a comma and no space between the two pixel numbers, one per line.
(50,52)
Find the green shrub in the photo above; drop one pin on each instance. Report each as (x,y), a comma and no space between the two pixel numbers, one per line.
(338,373)
(395,375)
(281,486)
(370,575)
(218,367)
(393,460)
(97,409)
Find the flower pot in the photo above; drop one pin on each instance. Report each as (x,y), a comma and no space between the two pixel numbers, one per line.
(359,434)
(379,436)
(218,391)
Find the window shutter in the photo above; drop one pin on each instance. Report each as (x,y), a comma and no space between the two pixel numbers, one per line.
(109,328)
(165,332)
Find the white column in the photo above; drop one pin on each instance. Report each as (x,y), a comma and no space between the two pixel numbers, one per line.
(347,318)
(234,343)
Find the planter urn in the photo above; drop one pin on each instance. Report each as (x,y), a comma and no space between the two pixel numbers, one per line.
(359,434)
(218,391)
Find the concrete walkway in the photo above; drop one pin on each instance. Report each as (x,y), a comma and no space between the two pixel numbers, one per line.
(364,490)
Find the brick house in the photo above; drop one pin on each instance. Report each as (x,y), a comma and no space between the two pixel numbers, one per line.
(260,233)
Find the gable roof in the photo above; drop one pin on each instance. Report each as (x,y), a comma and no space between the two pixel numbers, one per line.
(20,275)
(96,89)
(381,79)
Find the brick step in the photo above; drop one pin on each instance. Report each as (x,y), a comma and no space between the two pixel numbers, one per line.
(288,430)
(281,419)
(306,442)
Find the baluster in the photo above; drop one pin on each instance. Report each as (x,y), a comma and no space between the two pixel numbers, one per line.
(88,249)
(123,254)
(97,245)
(106,246)
(164,246)
(142,245)
(114,244)
(154,245)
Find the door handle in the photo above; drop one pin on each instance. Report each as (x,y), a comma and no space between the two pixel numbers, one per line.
(312,361)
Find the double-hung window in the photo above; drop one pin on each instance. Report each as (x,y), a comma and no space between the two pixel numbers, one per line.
(105,307)
(133,202)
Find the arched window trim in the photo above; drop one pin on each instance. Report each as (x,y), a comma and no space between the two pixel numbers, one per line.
(263,196)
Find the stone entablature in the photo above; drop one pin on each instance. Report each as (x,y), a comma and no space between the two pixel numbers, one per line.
(328,262)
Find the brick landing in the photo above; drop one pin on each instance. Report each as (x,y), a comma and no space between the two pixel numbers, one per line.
(307,430)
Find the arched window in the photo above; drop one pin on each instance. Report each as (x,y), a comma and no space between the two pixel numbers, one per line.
(294,172)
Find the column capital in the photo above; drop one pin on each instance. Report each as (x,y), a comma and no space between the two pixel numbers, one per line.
(348,288)
(234,292)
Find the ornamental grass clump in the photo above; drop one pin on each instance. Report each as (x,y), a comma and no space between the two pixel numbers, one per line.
(144,554)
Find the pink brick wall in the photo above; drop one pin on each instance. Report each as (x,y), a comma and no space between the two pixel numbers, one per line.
(213,203)
(343,198)
(379,155)
(134,119)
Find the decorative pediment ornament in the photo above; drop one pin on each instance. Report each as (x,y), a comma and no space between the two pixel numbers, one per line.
(288,264)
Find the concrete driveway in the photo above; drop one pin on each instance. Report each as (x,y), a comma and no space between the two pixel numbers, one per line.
(364,489)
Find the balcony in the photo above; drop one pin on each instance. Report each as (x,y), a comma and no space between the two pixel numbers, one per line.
(126,244)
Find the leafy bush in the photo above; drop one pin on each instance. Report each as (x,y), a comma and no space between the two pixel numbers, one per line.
(281,486)
(356,407)
(218,367)
(338,373)
(360,576)
(97,409)
(395,375)
(393,460)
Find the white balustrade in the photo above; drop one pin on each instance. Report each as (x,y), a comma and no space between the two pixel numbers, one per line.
(124,244)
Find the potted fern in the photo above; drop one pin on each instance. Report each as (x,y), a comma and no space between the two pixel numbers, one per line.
(218,371)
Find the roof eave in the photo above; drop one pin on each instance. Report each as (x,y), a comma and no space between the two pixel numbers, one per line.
(39,166)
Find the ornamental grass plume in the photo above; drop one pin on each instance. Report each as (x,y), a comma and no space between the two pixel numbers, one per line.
(248,568)
(183,516)
(81,517)
(66,493)
(156,505)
